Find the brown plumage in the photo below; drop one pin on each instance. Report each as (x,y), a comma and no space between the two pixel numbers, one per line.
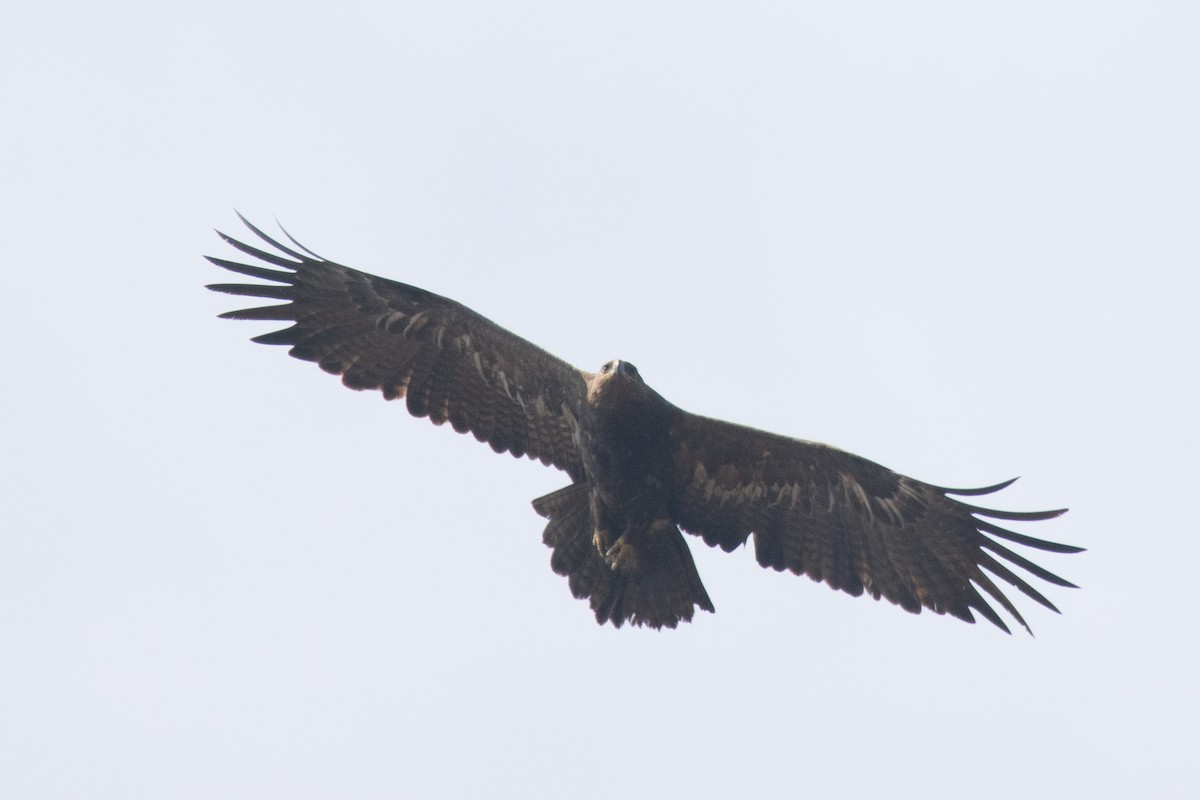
(642,469)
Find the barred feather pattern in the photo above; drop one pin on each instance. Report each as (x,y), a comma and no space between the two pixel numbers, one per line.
(449,363)
(850,523)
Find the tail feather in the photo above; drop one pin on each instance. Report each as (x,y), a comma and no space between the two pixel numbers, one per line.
(663,590)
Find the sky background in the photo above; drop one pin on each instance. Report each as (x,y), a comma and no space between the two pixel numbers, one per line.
(958,239)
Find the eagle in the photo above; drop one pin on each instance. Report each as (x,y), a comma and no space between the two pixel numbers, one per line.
(642,471)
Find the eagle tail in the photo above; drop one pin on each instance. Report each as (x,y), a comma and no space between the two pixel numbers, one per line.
(663,589)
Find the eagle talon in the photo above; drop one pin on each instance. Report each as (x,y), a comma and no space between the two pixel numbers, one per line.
(600,541)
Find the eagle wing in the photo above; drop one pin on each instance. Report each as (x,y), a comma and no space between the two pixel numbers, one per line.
(449,363)
(859,527)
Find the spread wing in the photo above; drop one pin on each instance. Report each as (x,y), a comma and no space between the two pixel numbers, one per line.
(450,363)
(844,520)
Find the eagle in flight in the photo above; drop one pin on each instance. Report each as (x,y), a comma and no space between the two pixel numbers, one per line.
(642,470)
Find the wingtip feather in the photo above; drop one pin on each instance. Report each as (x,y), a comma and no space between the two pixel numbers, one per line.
(269,240)
(980,490)
(293,240)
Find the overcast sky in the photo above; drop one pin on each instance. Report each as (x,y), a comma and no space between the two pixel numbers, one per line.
(961,242)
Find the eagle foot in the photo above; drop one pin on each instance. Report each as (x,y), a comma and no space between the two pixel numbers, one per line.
(622,555)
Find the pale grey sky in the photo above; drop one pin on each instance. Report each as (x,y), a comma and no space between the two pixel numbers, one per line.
(958,240)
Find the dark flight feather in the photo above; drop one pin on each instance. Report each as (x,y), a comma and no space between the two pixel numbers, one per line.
(642,470)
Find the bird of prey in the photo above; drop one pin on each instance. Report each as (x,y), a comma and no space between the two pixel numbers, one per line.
(642,470)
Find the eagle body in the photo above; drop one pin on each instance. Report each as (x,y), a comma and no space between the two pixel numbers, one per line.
(625,447)
(639,567)
(643,472)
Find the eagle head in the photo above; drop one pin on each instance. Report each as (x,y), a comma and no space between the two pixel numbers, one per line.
(615,379)
(619,368)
